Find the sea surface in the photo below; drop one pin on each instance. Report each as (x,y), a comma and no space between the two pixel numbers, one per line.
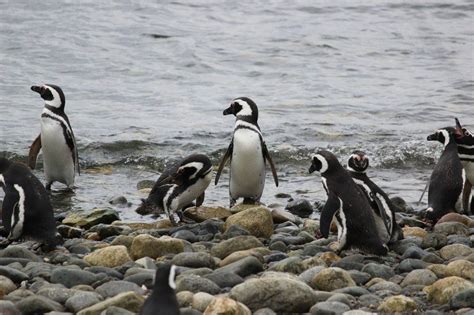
(146,83)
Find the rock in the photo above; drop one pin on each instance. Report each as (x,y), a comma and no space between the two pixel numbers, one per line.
(434,240)
(360,277)
(401,205)
(398,304)
(107,230)
(201,214)
(196,284)
(279,294)
(300,207)
(414,252)
(291,264)
(281,216)
(227,247)
(439,270)
(6,286)
(410,264)
(414,231)
(114,310)
(7,307)
(17,251)
(443,290)
(233,231)
(147,263)
(461,268)
(343,298)
(385,286)
(244,267)
(71,277)
(13,274)
(112,288)
(454,250)
(120,201)
(432,259)
(225,279)
(124,240)
(308,275)
(111,256)
(185,235)
(369,300)
(329,258)
(185,298)
(311,226)
(87,219)
(146,245)
(146,183)
(37,304)
(56,293)
(127,300)
(201,300)
(449,228)
(67,231)
(235,256)
(462,299)
(378,270)
(194,260)
(354,291)
(224,305)
(258,221)
(420,276)
(241,207)
(81,300)
(332,279)
(456,217)
(329,308)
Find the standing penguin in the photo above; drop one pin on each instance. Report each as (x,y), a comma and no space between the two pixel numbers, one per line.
(382,206)
(178,186)
(465,141)
(247,153)
(26,209)
(447,179)
(162,300)
(56,139)
(347,203)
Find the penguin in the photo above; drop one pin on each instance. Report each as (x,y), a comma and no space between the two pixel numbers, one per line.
(162,300)
(248,154)
(465,141)
(56,139)
(26,209)
(445,188)
(178,186)
(356,227)
(380,203)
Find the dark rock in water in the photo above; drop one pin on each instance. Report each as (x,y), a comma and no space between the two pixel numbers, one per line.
(140,279)
(120,201)
(434,240)
(37,304)
(7,307)
(196,284)
(319,205)
(329,308)
(378,270)
(401,205)
(112,288)
(282,195)
(147,183)
(81,300)
(156,36)
(13,274)
(225,279)
(300,207)
(87,219)
(71,277)
(234,230)
(17,251)
(462,299)
(409,264)
(243,267)
(67,231)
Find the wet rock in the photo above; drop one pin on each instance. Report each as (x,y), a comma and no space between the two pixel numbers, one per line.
(329,308)
(332,279)
(113,288)
(454,250)
(258,221)
(201,214)
(7,307)
(462,299)
(201,300)
(81,300)
(414,231)
(243,267)
(194,260)
(111,256)
(6,286)
(398,304)
(87,219)
(378,270)
(461,268)
(71,277)
(127,300)
(145,245)
(279,294)
(401,205)
(17,251)
(300,207)
(420,276)
(13,274)
(37,304)
(196,284)
(67,231)
(443,290)
(434,240)
(120,201)
(227,247)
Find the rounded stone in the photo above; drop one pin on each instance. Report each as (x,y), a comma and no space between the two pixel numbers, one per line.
(224,305)
(145,245)
(71,277)
(201,300)
(111,256)
(201,214)
(112,288)
(449,228)
(81,300)
(333,278)
(185,298)
(194,260)
(461,268)
(454,250)
(419,276)
(378,270)
(227,247)
(329,308)
(398,304)
(443,290)
(196,284)
(463,299)
(414,231)
(258,221)
(6,286)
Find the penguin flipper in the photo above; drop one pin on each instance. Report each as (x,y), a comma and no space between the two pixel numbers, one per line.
(34,151)
(266,155)
(332,205)
(383,214)
(226,156)
(200,200)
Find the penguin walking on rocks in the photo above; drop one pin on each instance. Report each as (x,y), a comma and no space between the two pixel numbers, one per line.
(56,139)
(465,141)
(178,186)
(26,209)
(447,179)
(247,153)
(346,203)
(162,300)
(381,204)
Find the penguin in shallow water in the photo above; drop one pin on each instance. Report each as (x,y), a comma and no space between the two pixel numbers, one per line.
(347,204)
(178,186)
(447,179)
(248,154)
(162,300)
(381,204)
(26,209)
(465,141)
(57,140)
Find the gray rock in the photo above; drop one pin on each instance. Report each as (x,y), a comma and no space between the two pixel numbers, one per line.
(401,205)
(8,260)
(17,251)
(18,295)
(343,298)
(119,201)
(194,260)
(386,286)
(300,207)
(196,284)
(366,300)
(451,228)
(408,265)
(235,230)
(37,304)
(188,311)
(308,275)
(329,308)
(419,276)
(459,239)
(114,310)
(462,299)
(70,277)
(81,300)
(108,271)
(144,278)
(378,270)
(359,277)
(434,240)
(58,294)
(243,267)
(321,296)
(67,231)
(227,247)
(8,308)
(185,235)
(432,259)
(112,288)
(354,291)
(273,257)
(225,279)
(412,290)
(291,264)
(264,311)
(107,230)
(414,252)
(201,272)
(146,183)
(278,246)
(402,245)
(13,274)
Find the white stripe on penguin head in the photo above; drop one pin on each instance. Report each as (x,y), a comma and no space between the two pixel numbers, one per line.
(324,162)
(172,275)
(445,135)
(56,101)
(246,109)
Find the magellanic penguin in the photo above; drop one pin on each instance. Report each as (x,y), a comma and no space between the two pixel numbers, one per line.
(178,186)
(381,204)
(347,203)
(26,209)
(465,141)
(447,179)
(248,154)
(162,300)
(57,140)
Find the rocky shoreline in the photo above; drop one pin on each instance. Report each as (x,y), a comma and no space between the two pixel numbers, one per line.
(244,260)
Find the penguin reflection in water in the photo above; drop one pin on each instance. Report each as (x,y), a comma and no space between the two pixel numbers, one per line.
(162,300)
(57,140)
(346,203)
(247,153)
(178,186)
(26,209)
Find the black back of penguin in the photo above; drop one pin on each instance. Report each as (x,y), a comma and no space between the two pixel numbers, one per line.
(162,300)
(446,181)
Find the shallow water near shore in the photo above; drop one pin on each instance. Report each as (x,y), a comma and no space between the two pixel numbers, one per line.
(373,76)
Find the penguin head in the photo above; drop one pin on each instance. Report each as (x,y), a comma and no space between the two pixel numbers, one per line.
(243,107)
(52,94)
(147,206)
(165,277)
(192,167)
(4,165)
(358,162)
(324,162)
(462,134)
(443,135)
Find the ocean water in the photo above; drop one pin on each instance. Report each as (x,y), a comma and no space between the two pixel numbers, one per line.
(146,84)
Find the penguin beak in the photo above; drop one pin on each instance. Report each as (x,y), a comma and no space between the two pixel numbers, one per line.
(37,89)
(228,111)
(312,168)
(432,137)
(458,130)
